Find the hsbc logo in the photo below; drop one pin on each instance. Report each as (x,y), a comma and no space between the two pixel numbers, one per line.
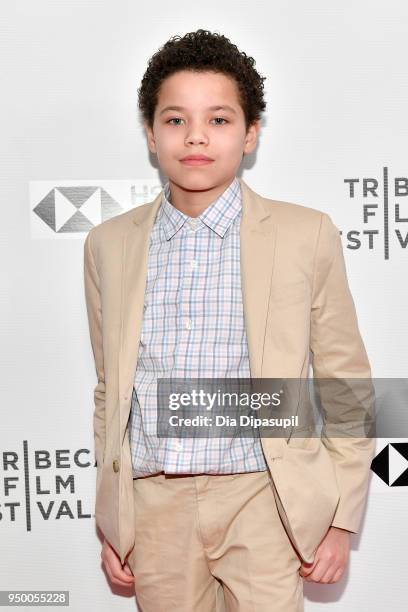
(68,209)
(74,209)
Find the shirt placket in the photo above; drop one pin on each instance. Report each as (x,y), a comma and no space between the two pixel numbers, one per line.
(182,448)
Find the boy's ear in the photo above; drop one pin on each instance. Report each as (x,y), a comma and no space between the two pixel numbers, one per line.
(251,136)
(150,137)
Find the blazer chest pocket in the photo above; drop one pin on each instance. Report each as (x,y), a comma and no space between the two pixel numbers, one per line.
(286,294)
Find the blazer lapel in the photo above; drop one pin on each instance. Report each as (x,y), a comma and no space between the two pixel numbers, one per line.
(135,250)
(257,244)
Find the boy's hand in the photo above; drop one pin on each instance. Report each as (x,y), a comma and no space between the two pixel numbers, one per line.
(117,574)
(331,557)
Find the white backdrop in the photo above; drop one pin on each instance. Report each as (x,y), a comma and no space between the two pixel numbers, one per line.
(337,96)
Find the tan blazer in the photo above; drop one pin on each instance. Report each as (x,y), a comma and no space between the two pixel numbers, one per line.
(297,308)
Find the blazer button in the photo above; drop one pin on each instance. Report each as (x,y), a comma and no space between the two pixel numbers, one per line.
(116,465)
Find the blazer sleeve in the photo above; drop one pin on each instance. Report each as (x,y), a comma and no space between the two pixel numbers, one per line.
(94,311)
(339,353)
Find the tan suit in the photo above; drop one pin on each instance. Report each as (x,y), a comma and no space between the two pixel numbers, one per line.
(296,300)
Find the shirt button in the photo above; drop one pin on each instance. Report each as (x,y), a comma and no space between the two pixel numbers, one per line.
(188,324)
(179,446)
(193,264)
(193,223)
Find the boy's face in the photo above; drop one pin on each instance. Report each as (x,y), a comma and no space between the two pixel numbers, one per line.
(219,134)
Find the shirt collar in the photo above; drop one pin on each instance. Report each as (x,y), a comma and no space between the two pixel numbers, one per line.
(218,216)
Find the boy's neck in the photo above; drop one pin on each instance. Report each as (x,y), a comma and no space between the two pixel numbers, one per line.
(193,203)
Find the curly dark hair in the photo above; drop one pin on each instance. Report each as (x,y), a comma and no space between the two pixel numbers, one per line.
(203,51)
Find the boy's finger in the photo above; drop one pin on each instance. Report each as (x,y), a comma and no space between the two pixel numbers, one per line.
(121,574)
(116,569)
(122,577)
(127,569)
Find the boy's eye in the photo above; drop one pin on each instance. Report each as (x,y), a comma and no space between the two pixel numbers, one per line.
(179,119)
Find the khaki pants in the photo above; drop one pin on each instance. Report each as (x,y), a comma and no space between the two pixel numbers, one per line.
(207,543)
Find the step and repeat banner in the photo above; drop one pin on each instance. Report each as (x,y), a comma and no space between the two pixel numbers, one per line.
(74,154)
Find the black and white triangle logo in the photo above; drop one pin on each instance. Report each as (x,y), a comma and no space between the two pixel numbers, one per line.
(391,464)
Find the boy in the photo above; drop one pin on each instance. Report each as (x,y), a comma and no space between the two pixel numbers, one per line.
(213,280)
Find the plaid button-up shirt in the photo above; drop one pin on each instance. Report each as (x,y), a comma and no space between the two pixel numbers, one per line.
(193,327)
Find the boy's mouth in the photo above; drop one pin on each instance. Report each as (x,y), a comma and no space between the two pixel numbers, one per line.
(196,160)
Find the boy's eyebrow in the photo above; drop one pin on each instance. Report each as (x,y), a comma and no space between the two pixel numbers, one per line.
(212,108)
